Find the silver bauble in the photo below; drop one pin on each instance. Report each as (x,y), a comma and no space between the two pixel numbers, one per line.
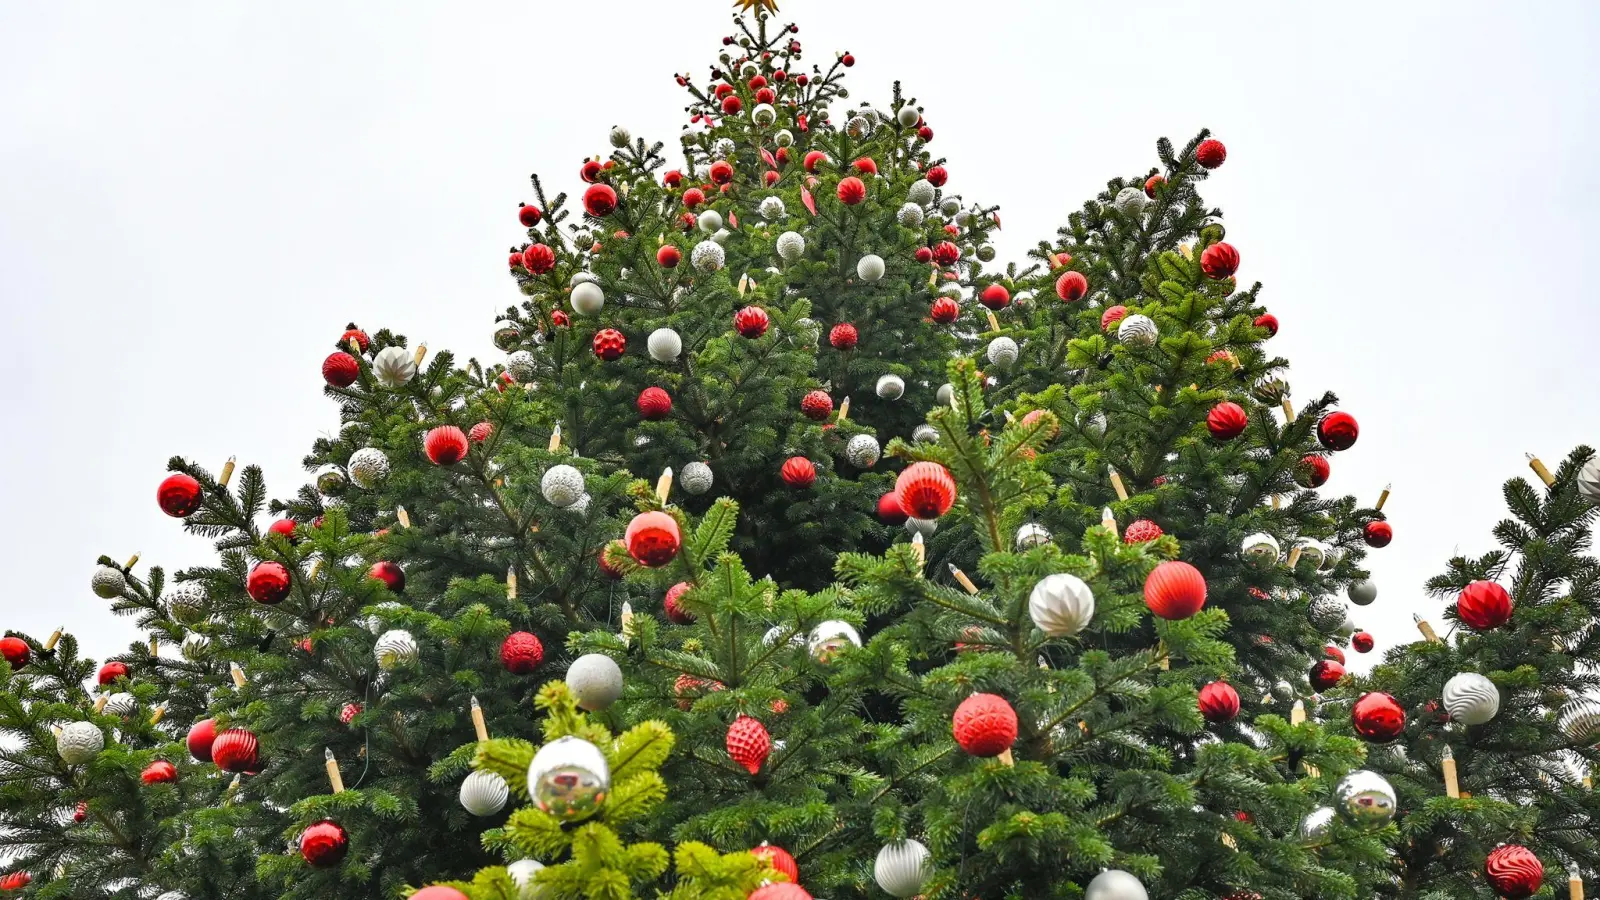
(1470,698)
(986,254)
(808,330)
(561,485)
(368,467)
(1589,481)
(588,299)
(858,127)
(1326,614)
(595,681)
(80,742)
(1365,798)
(1580,720)
(1115,884)
(330,479)
(908,117)
(783,138)
(709,221)
(1363,592)
(763,115)
(891,386)
(396,649)
(1317,822)
(195,647)
(945,394)
(772,208)
(1313,553)
(1032,535)
(520,365)
(829,638)
(1002,352)
(707,256)
(1260,550)
(791,246)
(664,345)
(173,895)
(121,704)
(580,276)
(921,192)
(522,873)
(1131,201)
(1092,424)
(569,778)
(910,215)
(107,582)
(862,451)
(796,638)
(375,624)
(695,478)
(925,434)
(394,366)
(870,267)
(950,206)
(484,793)
(1137,331)
(902,868)
(924,527)
(620,136)
(1061,605)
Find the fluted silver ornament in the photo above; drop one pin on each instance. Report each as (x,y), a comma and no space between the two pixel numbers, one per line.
(1137,331)
(1470,698)
(707,256)
(1363,592)
(1061,605)
(664,345)
(910,215)
(945,394)
(921,192)
(1115,884)
(891,386)
(107,582)
(1365,798)
(394,366)
(1032,535)
(1317,822)
(396,649)
(595,681)
(791,246)
(1131,201)
(484,793)
(569,778)
(1002,352)
(862,451)
(772,208)
(80,742)
(1326,614)
(368,467)
(695,478)
(925,434)
(330,479)
(561,485)
(829,638)
(1260,550)
(924,527)
(1580,720)
(902,868)
(121,704)
(1589,481)
(870,267)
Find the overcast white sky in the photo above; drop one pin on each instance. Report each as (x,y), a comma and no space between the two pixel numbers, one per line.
(195,197)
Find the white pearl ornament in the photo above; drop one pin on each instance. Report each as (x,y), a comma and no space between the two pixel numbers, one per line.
(1061,605)
(1115,884)
(910,215)
(1363,592)
(595,680)
(772,208)
(1002,352)
(921,192)
(587,298)
(791,246)
(107,582)
(522,872)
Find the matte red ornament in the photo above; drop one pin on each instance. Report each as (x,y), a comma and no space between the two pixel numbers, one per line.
(1220,260)
(609,344)
(1175,590)
(1112,316)
(816,405)
(538,258)
(769,177)
(890,512)
(1338,431)
(668,256)
(995,296)
(751,322)
(1325,673)
(777,890)
(673,608)
(1218,702)
(559,318)
(1150,185)
(16,651)
(984,725)
(1313,470)
(866,166)
(529,216)
(1514,871)
(445,445)
(268,582)
(721,171)
(843,336)
(599,200)
(798,472)
(812,159)
(179,495)
(1269,322)
(1210,153)
(481,432)
(944,311)
(1226,420)
(352,333)
(946,253)
(200,737)
(324,844)
(1378,717)
(1362,642)
(937,176)
(438,892)
(1140,530)
(236,750)
(340,369)
(652,538)
(1484,605)
(159,772)
(926,490)
(1378,534)
(521,652)
(1071,287)
(779,859)
(851,191)
(654,404)
(16,881)
(924,254)
(731,104)
(748,743)
(110,672)
(392,576)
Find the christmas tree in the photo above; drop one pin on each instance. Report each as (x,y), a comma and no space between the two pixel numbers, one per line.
(791,549)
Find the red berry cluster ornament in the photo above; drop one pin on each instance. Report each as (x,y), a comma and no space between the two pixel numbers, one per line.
(599,200)
(1140,530)
(1338,431)
(1072,286)
(1218,702)
(748,743)
(348,713)
(445,445)
(1378,534)
(521,652)
(609,569)
(236,750)
(1484,605)
(751,322)
(798,472)
(985,725)
(1226,421)
(1210,153)
(1220,260)
(1175,590)
(340,369)
(15,651)
(324,844)
(1325,674)
(843,336)
(268,582)
(652,538)
(179,495)
(1514,871)
(816,405)
(654,404)
(609,344)
(1378,717)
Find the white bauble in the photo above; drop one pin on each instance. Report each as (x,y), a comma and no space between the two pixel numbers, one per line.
(862,451)
(709,221)
(707,256)
(791,246)
(569,778)
(721,236)
(695,478)
(1061,605)
(1032,535)
(1260,550)
(1137,331)
(484,793)
(1131,201)
(772,208)
(870,267)
(520,363)
(171,895)
(663,345)
(595,680)
(580,277)
(620,136)
(1316,822)
(561,485)
(1589,481)
(902,868)
(910,215)
(580,506)
(194,647)
(1471,699)
(121,704)
(1365,798)
(950,206)
(891,386)
(1115,884)
(368,467)
(921,192)
(763,114)
(783,138)
(1363,592)
(925,434)
(830,637)
(924,527)
(908,117)
(1580,721)
(1093,424)
(396,649)
(945,394)
(107,582)
(808,330)
(80,742)
(1002,352)
(588,299)
(522,872)
(330,479)
(394,366)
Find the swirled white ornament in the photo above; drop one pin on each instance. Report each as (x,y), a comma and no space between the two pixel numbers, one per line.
(1580,720)
(375,623)
(396,649)
(925,434)
(707,256)
(561,485)
(950,206)
(1471,699)
(595,681)
(1589,481)
(1061,605)
(79,742)
(664,345)
(862,451)
(484,793)
(723,148)
(921,192)
(870,267)
(902,868)
(394,366)
(1115,884)
(368,467)
(1002,352)
(791,246)
(695,478)
(1031,535)
(858,127)
(891,386)
(1326,614)
(107,582)
(772,208)
(1137,331)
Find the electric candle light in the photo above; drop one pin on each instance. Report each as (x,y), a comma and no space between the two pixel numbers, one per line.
(416,359)
(55,638)
(227,472)
(334,778)
(664,485)
(555,438)
(1447,764)
(237,673)
(1539,470)
(844,409)
(478,724)
(1426,629)
(962,579)
(403,516)
(1383,498)
(920,549)
(511,583)
(1116,482)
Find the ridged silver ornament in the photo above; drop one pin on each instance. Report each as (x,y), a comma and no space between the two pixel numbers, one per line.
(772,208)
(561,485)
(1589,481)
(695,478)
(921,192)
(595,681)
(1131,201)
(723,148)
(862,451)
(1115,884)
(1002,352)
(195,647)
(1137,331)
(484,793)
(925,434)
(891,386)
(1260,550)
(858,127)
(1363,592)
(569,778)
(368,467)
(664,345)
(1470,698)
(925,527)
(394,367)
(1317,822)
(791,246)
(828,638)
(902,868)
(587,299)
(396,649)
(707,256)
(1032,535)
(522,874)
(1326,614)
(80,742)
(950,206)
(1365,798)
(1061,605)
(910,215)
(1580,720)
(330,479)
(107,582)
(121,704)
(870,267)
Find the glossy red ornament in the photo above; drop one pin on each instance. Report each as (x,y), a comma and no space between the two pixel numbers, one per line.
(521,652)
(1338,431)
(668,256)
(937,176)
(946,253)
(1218,702)
(1514,871)
(609,344)
(779,859)
(851,191)
(890,512)
(1220,260)
(816,405)
(1313,470)
(751,322)
(529,216)
(268,582)
(798,472)
(1150,185)
(995,296)
(866,166)
(654,404)
(514,261)
(283,528)
(1112,316)
(1269,322)
(721,171)
(1333,653)
(613,550)
(438,892)
(159,772)
(589,171)
(599,200)
(236,750)
(843,336)
(1210,153)
(445,445)
(1378,717)
(925,134)
(984,725)
(693,197)
(110,672)
(1071,287)
(1325,673)
(748,743)
(200,737)
(1378,534)
(538,258)
(1362,642)
(340,369)
(178,495)
(926,490)
(1484,605)
(777,890)
(15,651)
(671,606)
(480,432)
(1140,530)
(944,311)
(672,178)
(847,60)
(559,318)
(1175,590)
(652,538)
(324,844)
(16,881)
(1226,420)
(390,574)
(81,813)
(812,159)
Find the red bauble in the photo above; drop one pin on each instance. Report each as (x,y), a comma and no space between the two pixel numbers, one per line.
(1514,871)
(340,369)
(1484,605)
(812,158)
(1378,534)
(798,472)
(608,568)
(652,538)
(283,527)
(445,445)
(159,772)
(80,814)
(1325,673)
(668,256)
(438,892)
(866,166)
(529,216)
(1175,590)
(673,608)
(995,296)
(1151,183)
(890,512)
(1378,717)
(1220,260)
(1071,286)
(672,178)
(1140,530)
(751,322)
(1210,153)
(1333,653)
(589,171)
(609,344)
(1362,642)
(944,311)
(779,859)
(538,258)
(110,672)
(559,318)
(925,134)
(1338,431)
(352,333)
(847,60)
(16,651)
(1226,421)
(16,881)
(770,176)
(201,735)
(693,197)
(749,743)
(731,104)
(851,191)
(721,171)
(514,260)
(268,582)
(1218,702)
(348,713)
(654,403)
(924,254)
(1313,470)
(236,750)
(392,576)
(937,176)
(926,490)
(179,495)
(324,844)
(521,652)
(777,890)
(480,432)
(946,253)
(599,200)
(985,725)
(843,336)
(1269,322)
(816,405)
(1112,316)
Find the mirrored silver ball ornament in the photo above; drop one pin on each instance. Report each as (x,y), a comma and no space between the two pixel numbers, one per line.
(1137,331)
(107,582)
(695,478)
(569,778)
(664,345)
(330,479)
(772,208)
(1326,614)
(921,192)
(522,874)
(870,267)
(1002,352)
(1260,550)
(79,742)
(764,114)
(709,221)
(1363,592)
(1470,698)
(595,681)
(1317,822)
(587,299)
(394,366)
(561,485)
(902,868)
(925,434)
(862,451)
(1313,553)
(1365,798)
(910,215)
(620,136)
(396,649)
(368,467)
(707,256)
(1580,720)
(484,793)
(195,647)
(1131,201)
(791,246)
(945,394)
(1032,535)
(925,527)
(783,138)
(830,638)
(1061,605)
(1589,481)
(986,254)
(1115,884)
(891,386)
(776,633)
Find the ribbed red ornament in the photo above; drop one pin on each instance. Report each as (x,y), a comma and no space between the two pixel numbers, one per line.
(178,495)
(668,256)
(1325,674)
(1514,871)
(1269,322)
(944,311)
(159,772)
(673,608)
(984,725)
(1483,605)
(609,344)
(201,735)
(1226,420)
(1141,530)
(236,750)
(652,538)
(1210,153)
(514,261)
(1362,642)
(1220,260)
(938,175)
(1112,316)
(110,672)
(843,336)
(779,859)
(1338,430)
(599,200)
(654,403)
(751,322)
(324,844)
(890,512)
(777,890)
(749,743)
(538,258)
(852,191)
(1378,717)
(1313,470)
(946,253)
(16,881)
(1378,534)
(1071,287)
(1218,702)
(995,296)
(1175,590)
(480,432)
(816,405)
(798,472)
(352,333)
(268,582)
(445,445)
(340,369)
(392,576)
(521,652)
(926,490)
(15,651)
(812,159)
